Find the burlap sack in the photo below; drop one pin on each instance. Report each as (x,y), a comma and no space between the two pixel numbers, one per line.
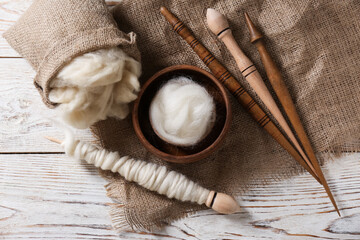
(316,45)
(51,33)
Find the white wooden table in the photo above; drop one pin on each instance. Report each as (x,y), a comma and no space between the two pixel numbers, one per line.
(44,194)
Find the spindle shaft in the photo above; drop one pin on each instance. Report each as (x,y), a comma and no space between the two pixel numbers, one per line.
(286,101)
(220,202)
(225,77)
(219,25)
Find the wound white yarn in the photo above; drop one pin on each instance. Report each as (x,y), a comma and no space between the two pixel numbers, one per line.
(95,86)
(182,112)
(148,175)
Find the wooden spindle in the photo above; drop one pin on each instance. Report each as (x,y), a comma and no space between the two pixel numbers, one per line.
(286,101)
(225,77)
(220,202)
(219,25)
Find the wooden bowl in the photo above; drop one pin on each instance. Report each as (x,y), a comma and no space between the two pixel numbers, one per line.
(165,150)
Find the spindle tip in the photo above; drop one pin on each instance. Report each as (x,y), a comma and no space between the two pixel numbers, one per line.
(163,9)
(222,203)
(217,22)
(255,34)
(169,16)
(53,139)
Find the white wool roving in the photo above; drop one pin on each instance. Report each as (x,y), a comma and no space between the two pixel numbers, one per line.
(182,112)
(95,86)
(148,175)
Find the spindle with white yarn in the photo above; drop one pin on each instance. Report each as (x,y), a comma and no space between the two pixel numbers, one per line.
(149,175)
(219,25)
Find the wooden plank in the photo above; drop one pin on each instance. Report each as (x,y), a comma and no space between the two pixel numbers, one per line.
(48,196)
(24,119)
(51,197)
(10,11)
(55,197)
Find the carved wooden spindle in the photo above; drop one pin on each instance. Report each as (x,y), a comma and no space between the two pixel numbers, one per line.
(234,87)
(285,99)
(220,202)
(219,25)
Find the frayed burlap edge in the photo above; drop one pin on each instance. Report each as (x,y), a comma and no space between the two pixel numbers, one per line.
(123,219)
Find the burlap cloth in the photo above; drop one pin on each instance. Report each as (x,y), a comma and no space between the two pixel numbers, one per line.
(315,43)
(51,33)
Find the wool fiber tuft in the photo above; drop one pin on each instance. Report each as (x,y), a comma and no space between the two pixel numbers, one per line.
(182,112)
(95,86)
(151,176)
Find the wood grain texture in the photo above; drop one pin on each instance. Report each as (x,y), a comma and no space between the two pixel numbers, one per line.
(24,118)
(10,11)
(55,197)
(52,197)
(49,196)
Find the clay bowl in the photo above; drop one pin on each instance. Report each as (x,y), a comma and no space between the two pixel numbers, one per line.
(160,147)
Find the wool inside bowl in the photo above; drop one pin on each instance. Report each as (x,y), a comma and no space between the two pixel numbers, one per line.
(168,151)
(182,112)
